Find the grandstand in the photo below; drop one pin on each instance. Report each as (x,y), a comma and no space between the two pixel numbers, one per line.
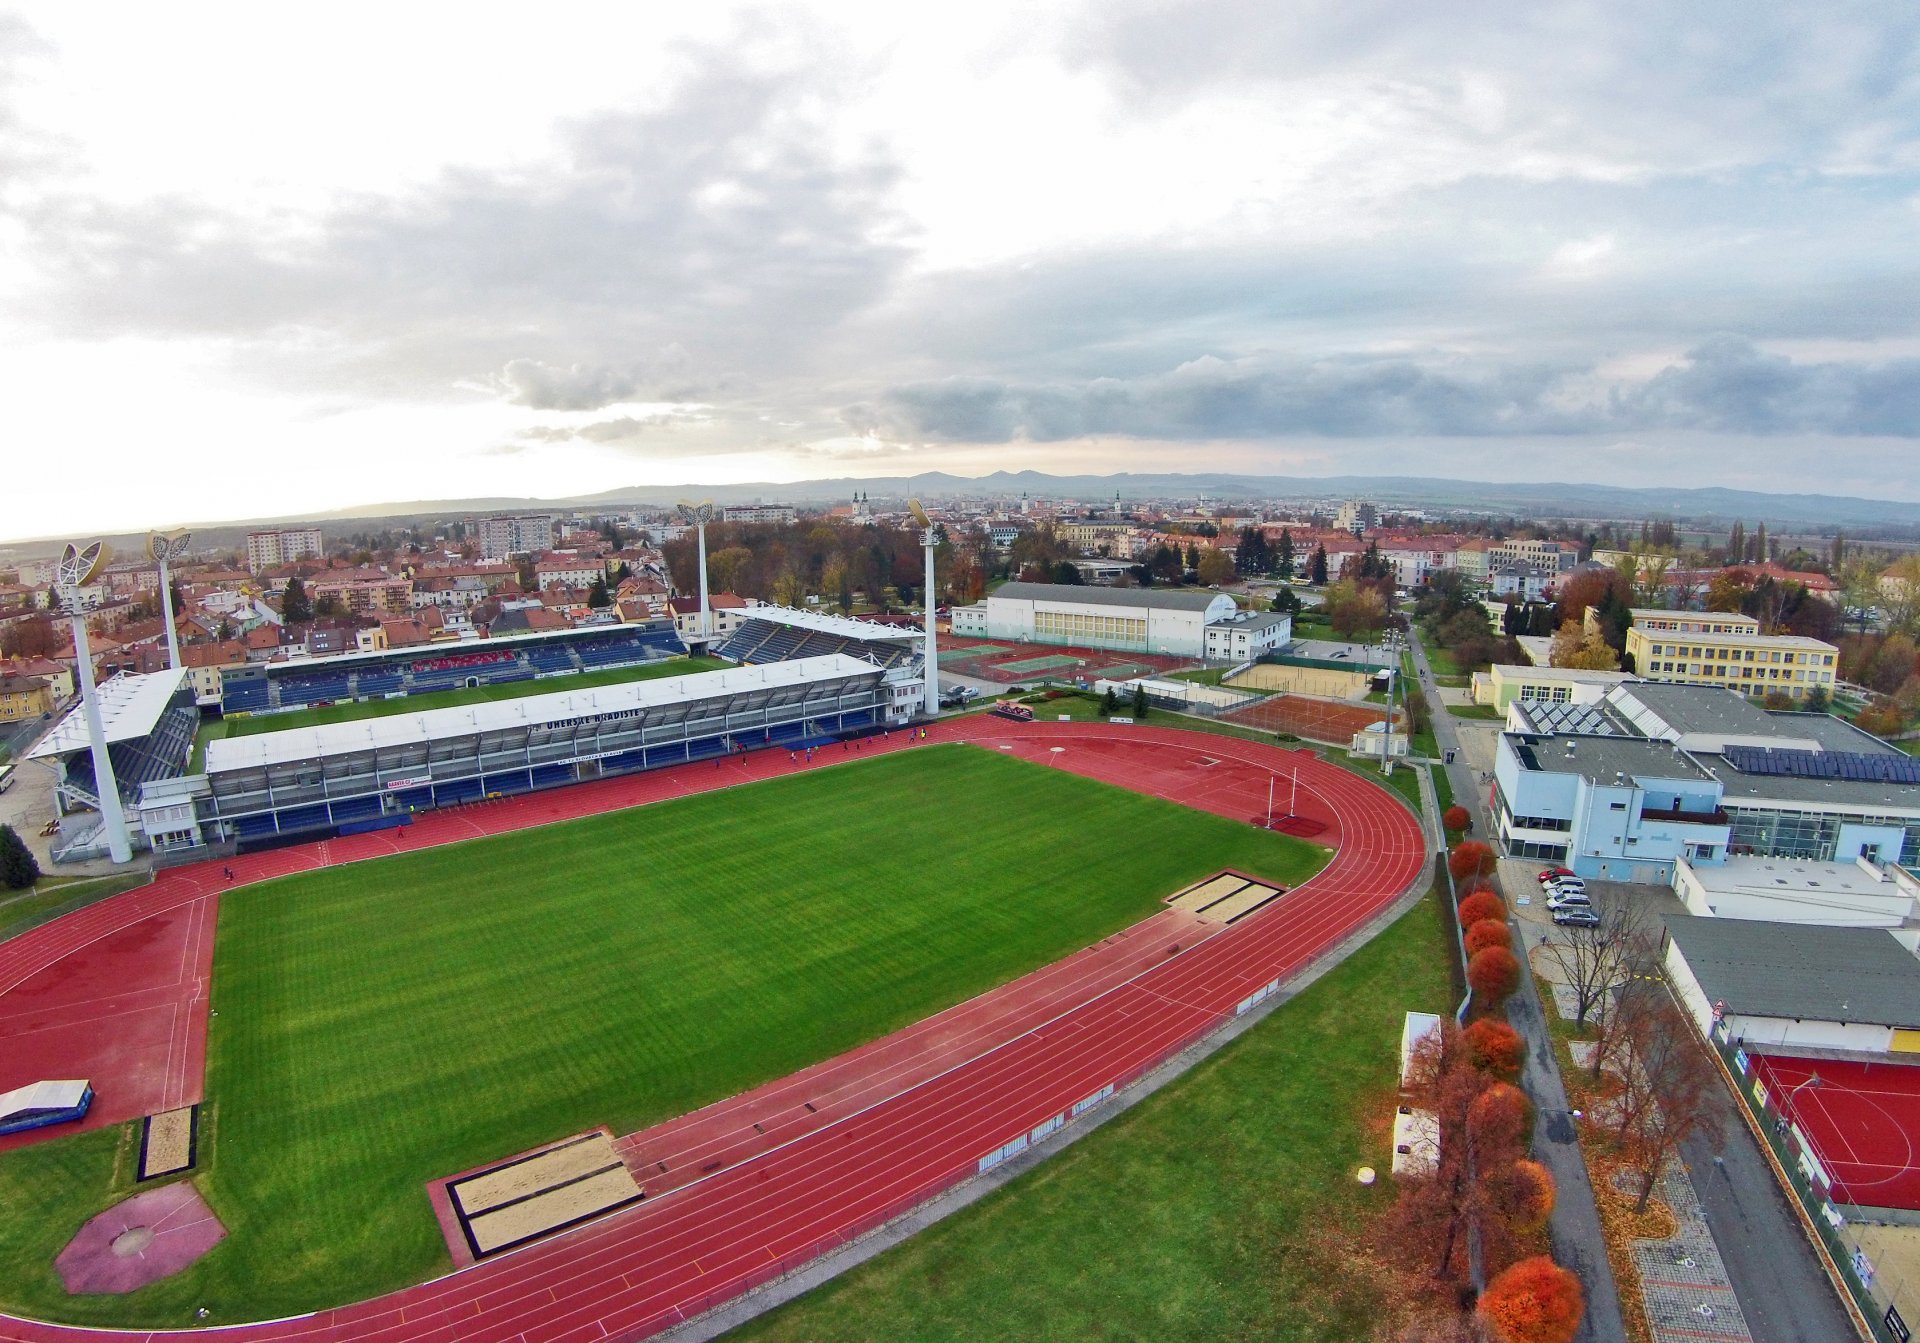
(347,777)
(266,687)
(784,633)
(149,722)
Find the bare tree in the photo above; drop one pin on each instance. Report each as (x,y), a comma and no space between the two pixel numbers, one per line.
(1666,1082)
(1596,962)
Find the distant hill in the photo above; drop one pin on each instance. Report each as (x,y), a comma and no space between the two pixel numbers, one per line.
(1546,500)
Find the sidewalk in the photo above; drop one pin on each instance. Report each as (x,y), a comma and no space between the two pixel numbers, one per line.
(1574,1228)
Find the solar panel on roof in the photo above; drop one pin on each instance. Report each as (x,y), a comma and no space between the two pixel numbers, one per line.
(1850,766)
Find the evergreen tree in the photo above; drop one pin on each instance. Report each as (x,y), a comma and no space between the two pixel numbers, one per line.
(1317,567)
(18,870)
(1837,556)
(1737,543)
(1283,557)
(1109,702)
(1193,555)
(295,609)
(1139,700)
(597,595)
(1760,551)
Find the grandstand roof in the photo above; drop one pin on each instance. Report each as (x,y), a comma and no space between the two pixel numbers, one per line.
(1073,594)
(509,643)
(825,623)
(309,743)
(130,708)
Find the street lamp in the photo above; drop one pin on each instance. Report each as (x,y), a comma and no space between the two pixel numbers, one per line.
(163,548)
(76,569)
(697,516)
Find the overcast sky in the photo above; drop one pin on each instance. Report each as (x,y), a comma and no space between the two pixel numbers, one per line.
(260,259)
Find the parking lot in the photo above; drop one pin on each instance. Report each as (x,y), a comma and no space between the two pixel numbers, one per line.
(1520,881)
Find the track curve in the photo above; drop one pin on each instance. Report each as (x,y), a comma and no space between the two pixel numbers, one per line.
(662,1262)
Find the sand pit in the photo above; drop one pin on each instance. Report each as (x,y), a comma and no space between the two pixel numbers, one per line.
(535,1195)
(167,1142)
(1223,897)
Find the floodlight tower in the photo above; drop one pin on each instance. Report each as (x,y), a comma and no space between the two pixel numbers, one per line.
(77,569)
(163,548)
(927,542)
(697,516)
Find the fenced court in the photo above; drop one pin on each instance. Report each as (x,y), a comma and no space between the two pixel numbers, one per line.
(1314,719)
(1010,662)
(1861,1119)
(1028,666)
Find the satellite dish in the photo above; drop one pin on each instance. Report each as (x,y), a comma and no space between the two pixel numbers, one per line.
(165,546)
(79,567)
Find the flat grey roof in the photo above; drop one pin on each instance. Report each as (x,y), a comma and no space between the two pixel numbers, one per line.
(1598,759)
(1251,620)
(1858,795)
(1832,732)
(1166,599)
(1712,709)
(312,743)
(1801,971)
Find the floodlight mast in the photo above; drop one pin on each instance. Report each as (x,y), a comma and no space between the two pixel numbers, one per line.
(163,548)
(77,569)
(927,542)
(698,516)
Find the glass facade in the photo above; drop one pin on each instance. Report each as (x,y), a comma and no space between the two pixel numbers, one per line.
(1810,834)
(1084,630)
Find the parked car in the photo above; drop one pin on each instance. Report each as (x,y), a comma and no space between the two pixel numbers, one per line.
(1569,900)
(1557,874)
(1576,916)
(1563,884)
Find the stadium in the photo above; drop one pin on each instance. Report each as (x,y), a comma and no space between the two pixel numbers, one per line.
(583,1061)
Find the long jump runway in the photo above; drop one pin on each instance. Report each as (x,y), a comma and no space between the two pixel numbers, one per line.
(894,1122)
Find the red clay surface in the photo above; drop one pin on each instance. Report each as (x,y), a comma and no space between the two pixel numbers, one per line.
(109,1253)
(1863,1120)
(1094,662)
(1304,716)
(782,1198)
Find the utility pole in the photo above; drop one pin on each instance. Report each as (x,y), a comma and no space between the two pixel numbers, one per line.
(929,539)
(698,516)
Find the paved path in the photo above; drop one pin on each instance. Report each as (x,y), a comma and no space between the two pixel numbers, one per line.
(1683,1279)
(1784,1291)
(1575,1226)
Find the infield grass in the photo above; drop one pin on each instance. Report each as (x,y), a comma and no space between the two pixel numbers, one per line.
(1221,1207)
(247,725)
(381,1024)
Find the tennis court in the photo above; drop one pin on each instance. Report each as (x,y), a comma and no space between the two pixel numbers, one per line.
(1025,666)
(1861,1120)
(973,651)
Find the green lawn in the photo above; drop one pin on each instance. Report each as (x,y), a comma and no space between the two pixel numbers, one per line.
(388,1022)
(247,725)
(1218,1209)
(52,897)
(1486,711)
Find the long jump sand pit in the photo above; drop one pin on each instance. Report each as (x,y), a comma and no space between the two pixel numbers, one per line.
(1224,897)
(167,1142)
(526,1197)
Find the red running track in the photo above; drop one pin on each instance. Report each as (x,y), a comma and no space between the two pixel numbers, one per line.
(659,1263)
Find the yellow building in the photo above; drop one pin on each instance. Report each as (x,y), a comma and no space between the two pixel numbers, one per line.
(24,697)
(1715,648)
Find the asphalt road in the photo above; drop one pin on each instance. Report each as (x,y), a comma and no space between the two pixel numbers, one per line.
(1784,1292)
(1575,1225)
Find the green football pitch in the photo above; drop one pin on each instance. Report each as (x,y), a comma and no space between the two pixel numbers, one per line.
(247,725)
(381,1024)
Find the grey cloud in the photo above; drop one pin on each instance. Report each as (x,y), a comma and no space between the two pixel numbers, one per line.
(713,235)
(1726,385)
(1729,386)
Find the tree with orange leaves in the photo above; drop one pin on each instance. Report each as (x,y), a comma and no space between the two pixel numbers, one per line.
(1493,973)
(1534,1301)
(1487,933)
(1482,905)
(1470,858)
(1456,817)
(1495,1047)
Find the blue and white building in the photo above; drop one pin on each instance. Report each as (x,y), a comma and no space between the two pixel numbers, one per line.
(1655,775)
